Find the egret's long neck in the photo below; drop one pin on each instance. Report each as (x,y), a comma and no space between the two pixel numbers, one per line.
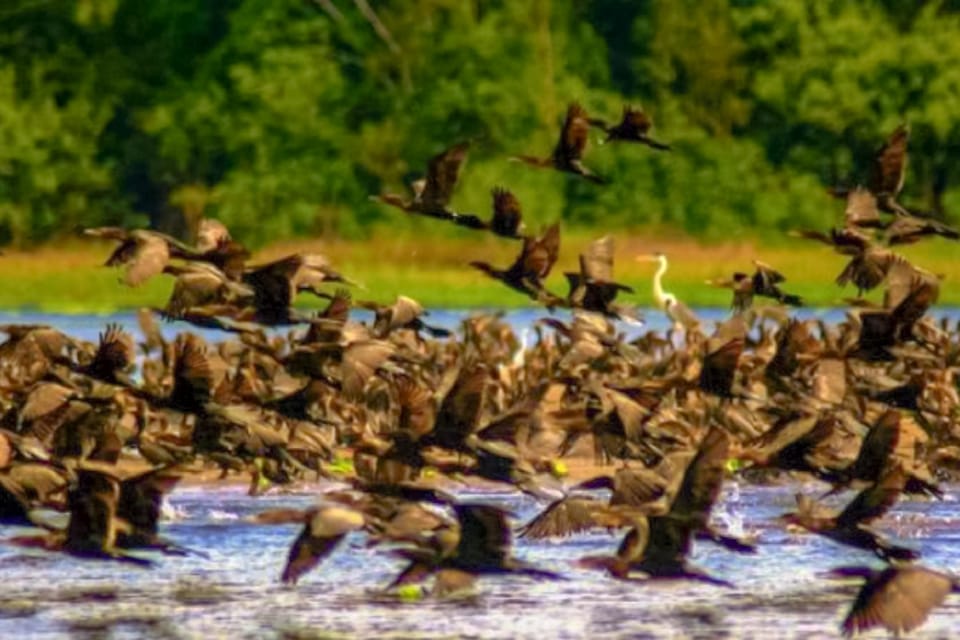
(658,282)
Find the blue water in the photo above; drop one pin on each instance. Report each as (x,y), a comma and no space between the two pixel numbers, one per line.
(88,326)
(232,591)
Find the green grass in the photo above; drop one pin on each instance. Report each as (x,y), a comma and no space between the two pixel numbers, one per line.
(434,270)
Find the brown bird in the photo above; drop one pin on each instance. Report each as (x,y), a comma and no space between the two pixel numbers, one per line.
(482,547)
(898,598)
(573,514)
(889,170)
(143,253)
(849,526)
(94,523)
(324,528)
(431,195)
(762,283)
(869,263)
(404,313)
(659,545)
(634,126)
(507,218)
(723,351)
(531,267)
(568,153)
(592,288)
(276,284)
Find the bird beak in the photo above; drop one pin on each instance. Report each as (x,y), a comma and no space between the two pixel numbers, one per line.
(646,258)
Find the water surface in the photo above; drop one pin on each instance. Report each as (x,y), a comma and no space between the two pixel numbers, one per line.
(232,590)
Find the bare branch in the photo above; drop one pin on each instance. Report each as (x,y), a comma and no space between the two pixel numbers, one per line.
(378,26)
(331,10)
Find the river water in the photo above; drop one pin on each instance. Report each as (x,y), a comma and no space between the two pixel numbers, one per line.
(230,588)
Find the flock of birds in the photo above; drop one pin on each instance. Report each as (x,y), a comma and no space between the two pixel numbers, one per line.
(102,431)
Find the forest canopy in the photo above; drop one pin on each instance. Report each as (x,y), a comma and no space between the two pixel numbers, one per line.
(281,117)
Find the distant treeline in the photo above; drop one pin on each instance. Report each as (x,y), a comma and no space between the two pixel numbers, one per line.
(281,117)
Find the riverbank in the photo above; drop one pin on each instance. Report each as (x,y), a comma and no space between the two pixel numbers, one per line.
(68,277)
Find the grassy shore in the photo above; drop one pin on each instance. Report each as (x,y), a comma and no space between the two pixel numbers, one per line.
(69,277)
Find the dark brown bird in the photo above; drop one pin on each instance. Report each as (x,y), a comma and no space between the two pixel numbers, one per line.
(567,155)
(634,126)
(593,288)
(507,218)
(276,285)
(762,283)
(483,547)
(659,545)
(849,527)
(531,267)
(897,598)
(723,351)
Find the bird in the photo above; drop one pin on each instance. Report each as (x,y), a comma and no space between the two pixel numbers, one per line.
(431,195)
(142,252)
(507,218)
(762,283)
(324,527)
(898,597)
(531,267)
(592,288)
(634,126)
(888,172)
(567,155)
(680,314)
(849,526)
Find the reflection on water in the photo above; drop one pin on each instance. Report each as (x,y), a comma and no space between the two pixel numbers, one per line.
(231,589)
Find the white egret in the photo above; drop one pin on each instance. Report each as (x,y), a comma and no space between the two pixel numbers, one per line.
(678,312)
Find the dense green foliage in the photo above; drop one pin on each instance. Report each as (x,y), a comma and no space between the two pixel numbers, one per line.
(282,116)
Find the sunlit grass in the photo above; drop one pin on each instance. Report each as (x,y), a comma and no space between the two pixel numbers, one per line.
(434,270)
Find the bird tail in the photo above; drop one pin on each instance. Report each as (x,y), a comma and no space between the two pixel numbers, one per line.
(656,144)
(791,300)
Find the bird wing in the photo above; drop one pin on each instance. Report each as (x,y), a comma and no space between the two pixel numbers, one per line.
(460,409)
(573,135)
(93,507)
(898,598)
(861,209)
(723,353)
(874,501)
(544,254)
(148,258)
(877,448)
(192,372)
(596,263)
(890,164)
(360,362)
(115,353)
(564,517)
(443,171)
(484,535)
(417,410)
(507,214)
(306,553)
(703,478)
(141,499)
